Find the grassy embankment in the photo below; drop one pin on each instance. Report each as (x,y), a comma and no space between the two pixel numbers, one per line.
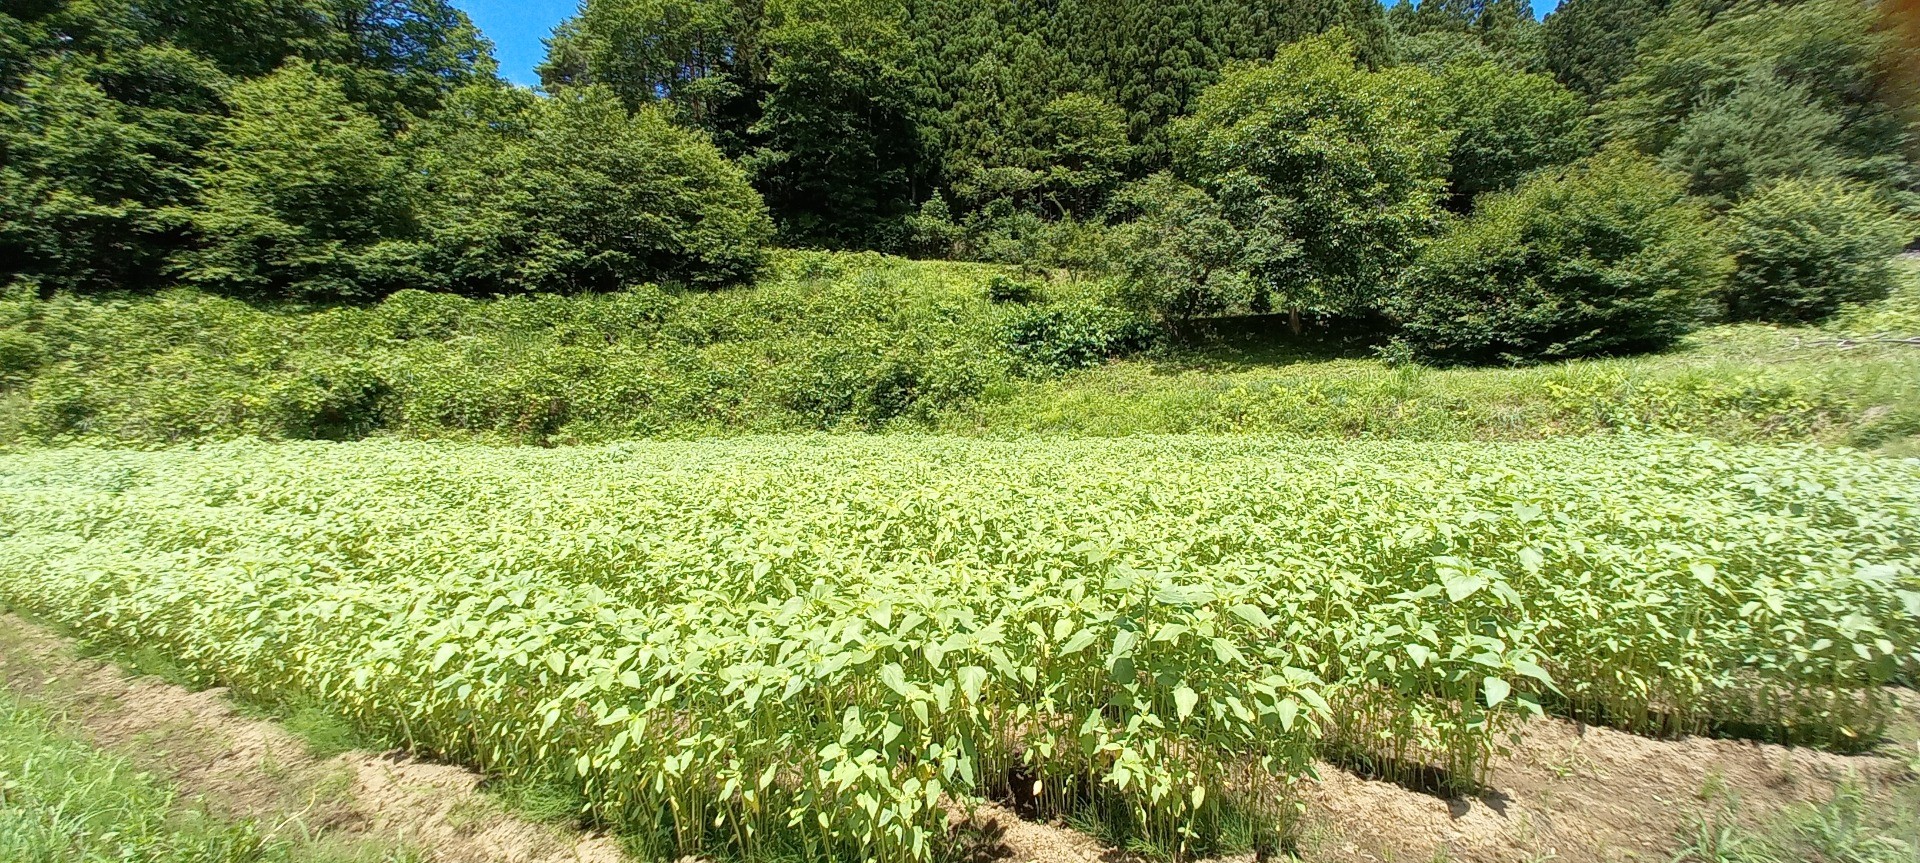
(862,342)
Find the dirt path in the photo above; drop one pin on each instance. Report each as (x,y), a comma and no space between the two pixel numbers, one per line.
(1578,793)
(1567,792)
(253,769)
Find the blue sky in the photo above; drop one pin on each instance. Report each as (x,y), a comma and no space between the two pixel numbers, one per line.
(517,26)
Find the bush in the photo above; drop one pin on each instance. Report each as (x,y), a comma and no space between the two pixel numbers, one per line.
(1062,338)
(1178,253)
(1007,289)
(1607,256)
(1804,248)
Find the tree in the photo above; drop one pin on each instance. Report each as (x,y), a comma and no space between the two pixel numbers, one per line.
(1439,33)
(1606,256)
(399,58)
(393,58)
(303,195)
(1154,58)
(1063,160)
(1902,18)
(837,149)
(1802,248)
(1178,254)
(107,108)
(575,193)
(1590,44)
(1330,172)
(1765,130)
(1827,53)
(1507,124)
(92,188)
(813,96)
(100,126)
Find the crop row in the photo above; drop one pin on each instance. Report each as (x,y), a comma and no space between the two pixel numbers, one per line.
(814,645)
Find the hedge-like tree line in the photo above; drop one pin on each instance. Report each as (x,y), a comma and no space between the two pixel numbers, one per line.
(1495,186)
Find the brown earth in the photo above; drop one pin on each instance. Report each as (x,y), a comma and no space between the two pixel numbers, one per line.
(252,769)
(1566,792)
(1569,792)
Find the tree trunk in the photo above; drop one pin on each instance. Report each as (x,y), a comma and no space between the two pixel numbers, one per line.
(1293,320)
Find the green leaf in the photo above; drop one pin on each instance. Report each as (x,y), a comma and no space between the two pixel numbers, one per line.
(1184,700)
(1461,585)
(894,677)
(441,656)
(1252,615)
(1497,690)
(1529,669)
(972,679)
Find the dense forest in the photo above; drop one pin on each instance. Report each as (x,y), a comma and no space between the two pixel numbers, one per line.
(1485,185)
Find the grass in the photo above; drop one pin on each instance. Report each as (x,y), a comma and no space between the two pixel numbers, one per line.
(1863,822)
(1857,825)
(863,342)
(62,800)
(1739,383)
(1731,382)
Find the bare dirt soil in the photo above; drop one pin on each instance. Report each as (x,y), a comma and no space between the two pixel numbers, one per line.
(1569,792)
(1566,792)
(253,769)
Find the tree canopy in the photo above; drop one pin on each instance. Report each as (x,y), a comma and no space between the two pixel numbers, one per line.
(1199,157)
(1330,169)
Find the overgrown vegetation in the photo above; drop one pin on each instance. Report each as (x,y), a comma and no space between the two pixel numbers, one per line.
(864,342)
(830,341)
(1176,626)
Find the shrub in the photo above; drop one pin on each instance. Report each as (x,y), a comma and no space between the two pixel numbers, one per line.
(1062,338)
(20,354)
(1606,256)
(1179,254)
(932,232)
(1803,248)
(1002,288)
(1004,234)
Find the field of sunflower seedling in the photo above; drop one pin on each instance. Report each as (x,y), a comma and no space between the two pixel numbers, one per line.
(817,646)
